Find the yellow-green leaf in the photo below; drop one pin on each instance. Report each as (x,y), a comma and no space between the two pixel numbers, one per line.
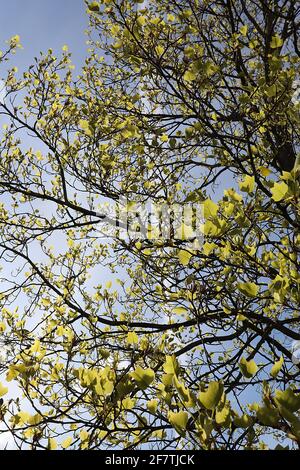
(179,310)
(179,420)
(52,444)
(268,415)
(279,190)
(211,397)
(184,393)
(141,20)
(152,405)
(85,126)
(210,208)
(243,421)
(143,377)
(248,183)
(248,368)
(67,442)
(248,288)
(184,257)
(3,390)
(132,338)
(244,30)
(276,42)
(276,367)
(159,50)
(189,75)
(223,416)
(171,365)
(288,399)
(94,6)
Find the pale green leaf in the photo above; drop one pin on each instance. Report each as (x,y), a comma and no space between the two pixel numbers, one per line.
(179,420)
(143,377)
(288,399)
(248,368)
(211,397)
(3,390)
(184,257)
(276,367)
(279,190)
(276,42)
(248,288)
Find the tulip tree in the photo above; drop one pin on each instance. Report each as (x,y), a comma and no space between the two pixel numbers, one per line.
(154,343)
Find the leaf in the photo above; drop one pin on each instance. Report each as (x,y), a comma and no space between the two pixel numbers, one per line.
(269,416)
(211,397)
(183,392)
(248,183)
(276,367)
(223,416)
(35,419)
(248,368)
(276,42)
(271,91)
(152,405)
(15,39)
(3,390)
(288,399)
(190,76)
(143,377)
(171,365)
(244,30)
(207,248)
(179,421)
(232,194)
(279,190)
(84,437)
(132,338)
(248,288)
(85,126)
(36,347)
(67,442)
(243,421)
(21,418)
(52,444)
(264,171)
(141,20)
(94,6)
(179,310)
(128,403)
(164,138)
(293,420)
(184,257)
(210,208)
(159,50)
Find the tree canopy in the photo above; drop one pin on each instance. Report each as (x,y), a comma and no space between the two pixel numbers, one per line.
(137,343)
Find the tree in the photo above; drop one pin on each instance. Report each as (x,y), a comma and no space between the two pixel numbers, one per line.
(191,346)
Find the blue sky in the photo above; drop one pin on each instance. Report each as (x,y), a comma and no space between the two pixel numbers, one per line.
(44,24)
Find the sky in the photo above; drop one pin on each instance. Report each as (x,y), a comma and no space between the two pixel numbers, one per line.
(44,24)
